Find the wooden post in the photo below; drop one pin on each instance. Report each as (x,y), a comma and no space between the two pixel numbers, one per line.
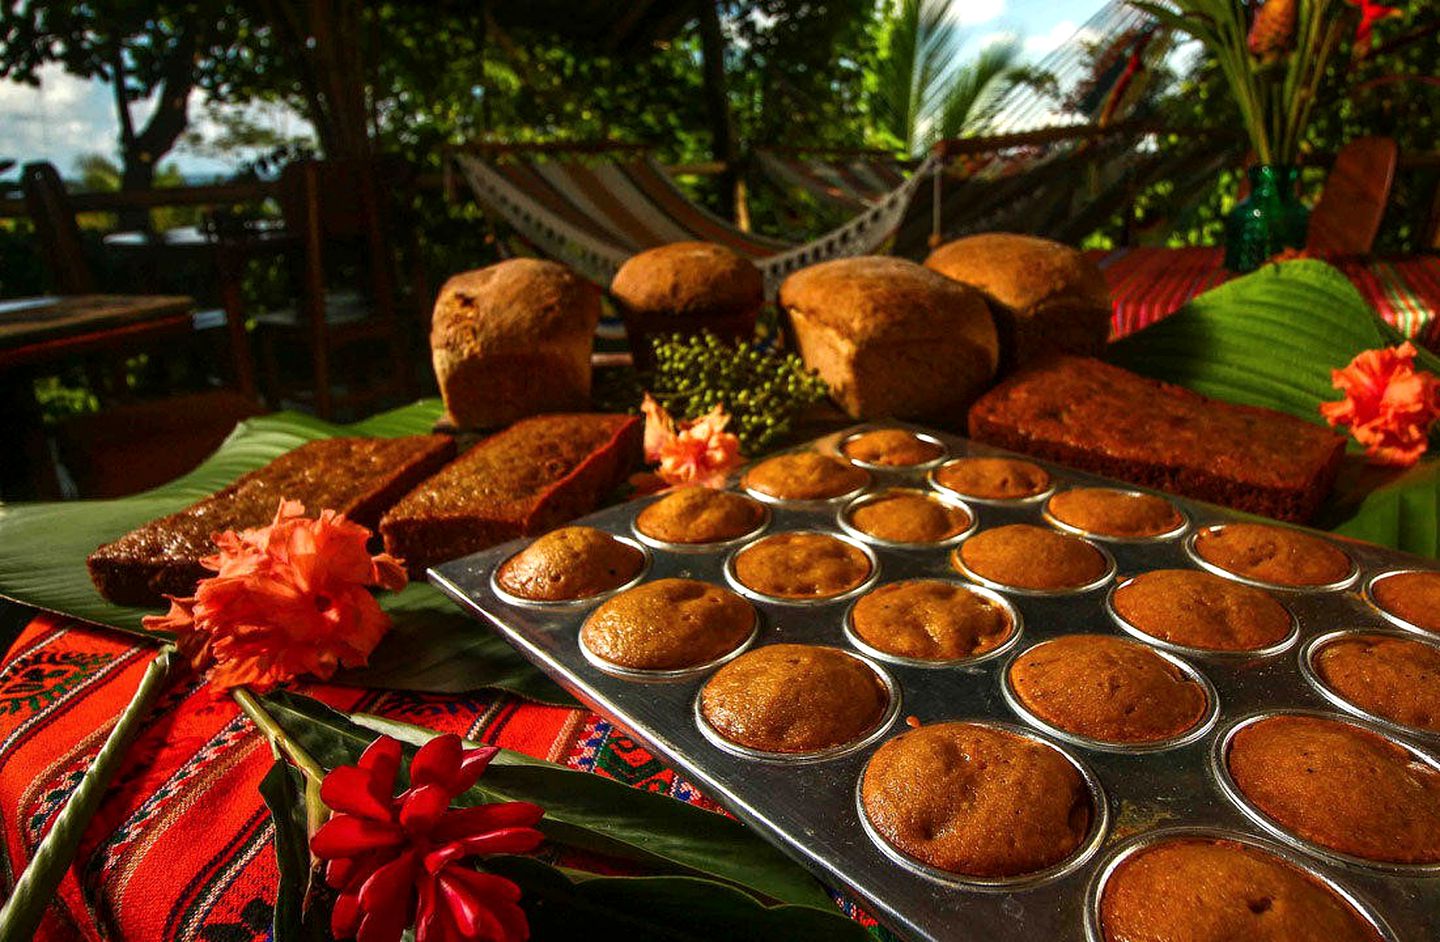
(723,146)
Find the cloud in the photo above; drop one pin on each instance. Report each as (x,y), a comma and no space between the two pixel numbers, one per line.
(975,12)
(1063,33)
(58,121)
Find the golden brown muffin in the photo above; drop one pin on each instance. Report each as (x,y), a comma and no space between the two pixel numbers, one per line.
(1201,610)
(892,448)
(697,514)
(1341,787)
(891,338)
(993,478)
(931,620)
(1397,679)
(794,698)
(1030,557)
(1107,688)
(976,801)
(1107,511)
(1199,889)
(801,566)
(909,516)
(805,475)
(668,624)
(1277,555)
(570,563)
(1411,596)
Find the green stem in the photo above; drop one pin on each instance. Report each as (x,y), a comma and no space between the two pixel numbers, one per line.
(281,740)
(36,887)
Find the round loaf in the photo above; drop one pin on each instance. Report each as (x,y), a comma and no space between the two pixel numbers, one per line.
(687,287)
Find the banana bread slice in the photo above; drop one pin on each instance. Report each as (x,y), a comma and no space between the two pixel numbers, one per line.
(538,473)
(1097,417)
(358,477)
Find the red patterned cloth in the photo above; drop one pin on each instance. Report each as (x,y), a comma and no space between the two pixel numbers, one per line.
(1148,284)
(183,846)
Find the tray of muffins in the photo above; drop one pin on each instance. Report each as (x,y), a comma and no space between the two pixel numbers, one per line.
(999,699)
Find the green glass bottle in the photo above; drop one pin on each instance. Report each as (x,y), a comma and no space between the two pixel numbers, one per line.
(1272,218)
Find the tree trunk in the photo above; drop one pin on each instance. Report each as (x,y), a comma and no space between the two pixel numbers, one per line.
(723,145)
(140,152)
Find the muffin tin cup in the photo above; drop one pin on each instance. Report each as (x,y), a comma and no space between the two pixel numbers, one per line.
(894,468)
(755,595)
(1044,495)
(887,719)
(1223,654)
(1308,670)
(570,604)
(1073,530)
(1112,861)
(1198,731)
(1220,770)
(644,675)
(717,546)
(1389,616)
(1017,628)
(1094,837)
(842,518)
(819,503)
(1224,573)
(1091,586)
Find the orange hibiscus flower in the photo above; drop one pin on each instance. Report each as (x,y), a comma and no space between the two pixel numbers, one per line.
(696,452)
(1389,406)
(288,599)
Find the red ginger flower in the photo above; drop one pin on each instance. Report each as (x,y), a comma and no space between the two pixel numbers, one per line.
(1272,34)
(1388,405)
(1370,14)
(288,599)
(399,861)
(697,452)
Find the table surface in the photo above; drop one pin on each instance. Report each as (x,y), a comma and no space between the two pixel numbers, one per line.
(35,320)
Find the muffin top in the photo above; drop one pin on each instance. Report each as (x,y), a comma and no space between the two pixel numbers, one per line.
(931,620)
(689,279)
(695,514)
(1397,679)
(1340,786)
(1108,511)
(1201,610)
(909,516)
(805,475)
(1277,555)
(801,566)
(1411,596)
(975,800)
(570,563)
(1031,557)
(892,447)
(993,478)
(794,698)
(1107,688)
(1207,890)
(668,624)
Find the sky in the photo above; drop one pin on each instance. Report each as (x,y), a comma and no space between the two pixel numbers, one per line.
(67,117)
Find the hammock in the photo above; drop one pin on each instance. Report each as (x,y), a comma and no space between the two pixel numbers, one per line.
(853,181)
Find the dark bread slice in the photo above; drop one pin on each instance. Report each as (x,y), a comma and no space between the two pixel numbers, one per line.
(358,477)
(538,473)
(1096,417)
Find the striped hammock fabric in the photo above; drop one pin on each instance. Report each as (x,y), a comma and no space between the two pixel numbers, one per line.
(854,182)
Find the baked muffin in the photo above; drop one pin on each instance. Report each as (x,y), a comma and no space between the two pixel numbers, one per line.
(570,563)
(1107,688)
(976,801)
(695,514)
(804,475)
(801,566)
(993,478)
(892,448)
(931,620)
(794,698)
(668,624)
(909,516)
(687,287)
(1276,555)
(1206,890)
(1108,511)
(1024,556)
(1397,679)
(1201,610)
(1340,786)
(1413,597)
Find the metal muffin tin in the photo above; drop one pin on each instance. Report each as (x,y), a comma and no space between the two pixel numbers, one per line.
(808,809)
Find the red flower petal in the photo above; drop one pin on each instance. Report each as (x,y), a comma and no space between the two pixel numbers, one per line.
(494,896)
(386,900)
(437,763)
(473,908)
(422,807)
(473,763)
(465,822)
(345,835)
(505,841)
(383,758)
(345,917)
(359,792)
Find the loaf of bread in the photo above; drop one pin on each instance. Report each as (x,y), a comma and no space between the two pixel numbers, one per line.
(687,287)
(513,340)
(892,338)
(537,474)
(1045,296)
(358,477)
(1091,415)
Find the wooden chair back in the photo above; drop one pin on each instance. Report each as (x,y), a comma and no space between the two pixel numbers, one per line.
(55,228)
(1347,217)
